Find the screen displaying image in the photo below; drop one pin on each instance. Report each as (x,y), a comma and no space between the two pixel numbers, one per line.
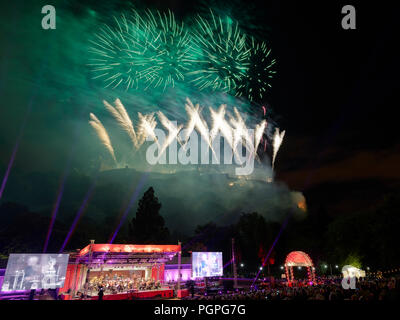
(35,271)
(206,264)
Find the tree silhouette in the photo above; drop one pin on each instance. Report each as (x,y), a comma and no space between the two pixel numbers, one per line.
(149,225)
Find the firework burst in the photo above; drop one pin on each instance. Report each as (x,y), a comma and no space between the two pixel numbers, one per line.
(121,53)
(151,50)
(222,55)
(260,72)
(172,60)
(141,51)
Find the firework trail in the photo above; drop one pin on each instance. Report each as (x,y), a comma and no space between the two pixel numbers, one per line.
(147,124)
(102,134)
(221,53)
(196,121)
(264,110)
(219,124)
(240,131)
(276,143)
(258,134)
(234,132)
(173,132)
(123,119)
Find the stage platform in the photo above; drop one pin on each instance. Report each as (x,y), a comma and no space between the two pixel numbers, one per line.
(144,294)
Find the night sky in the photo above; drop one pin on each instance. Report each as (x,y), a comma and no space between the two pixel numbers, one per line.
(334,92)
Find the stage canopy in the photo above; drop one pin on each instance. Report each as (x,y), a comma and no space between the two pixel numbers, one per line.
(298,259)
(95,254)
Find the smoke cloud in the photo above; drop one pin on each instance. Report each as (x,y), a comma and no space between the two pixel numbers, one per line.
(54,65)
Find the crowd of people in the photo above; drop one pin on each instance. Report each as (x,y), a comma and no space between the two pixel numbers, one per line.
(384,289)
(328,290)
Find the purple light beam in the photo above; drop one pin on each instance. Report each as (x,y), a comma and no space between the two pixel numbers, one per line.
(272,247)
(3,184)
(134,197)
(54,212)
(14,153)
(78,216)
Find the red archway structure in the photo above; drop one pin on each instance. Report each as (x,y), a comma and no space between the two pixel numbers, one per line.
(299,259)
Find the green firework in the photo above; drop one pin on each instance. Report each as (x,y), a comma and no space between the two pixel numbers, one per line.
(141,51)
(151,50)
(222,55)
(259,75)
(172,60)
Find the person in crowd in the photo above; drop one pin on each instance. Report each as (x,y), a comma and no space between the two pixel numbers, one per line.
(101,293)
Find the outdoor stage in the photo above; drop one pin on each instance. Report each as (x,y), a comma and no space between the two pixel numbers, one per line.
(136,269)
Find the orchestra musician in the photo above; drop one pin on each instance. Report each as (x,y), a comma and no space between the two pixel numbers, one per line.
(117,285)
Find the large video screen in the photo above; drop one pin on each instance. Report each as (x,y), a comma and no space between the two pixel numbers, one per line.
(35,271)
(206,264)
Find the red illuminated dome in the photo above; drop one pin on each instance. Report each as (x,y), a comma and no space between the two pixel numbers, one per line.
(298,258)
